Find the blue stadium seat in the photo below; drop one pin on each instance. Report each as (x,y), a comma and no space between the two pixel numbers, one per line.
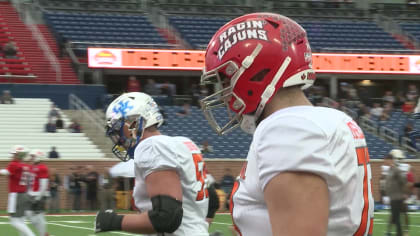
(322,34)
(104,28)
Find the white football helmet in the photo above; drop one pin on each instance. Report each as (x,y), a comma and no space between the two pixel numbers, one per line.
(37,155)
(397,154)
(127,117)
(19,151)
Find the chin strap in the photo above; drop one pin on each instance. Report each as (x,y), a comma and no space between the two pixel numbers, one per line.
(271,88)
(248,122)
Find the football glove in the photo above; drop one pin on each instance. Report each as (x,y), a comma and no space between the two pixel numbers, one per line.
(108,220)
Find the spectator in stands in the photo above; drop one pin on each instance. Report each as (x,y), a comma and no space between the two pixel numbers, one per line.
(353,97)
(50,127)
(384,117)
(399,100)
(53,153)
(10,50)
(133,85)
(226,184)
(167,88)
(107,191)
(386,113)
(408,106)
(376,110)
(53,113)
(151,88)
(205,147)
(364,95)
(363,111)
(91,180)
(59,123)
(388,97)
(55,183)
(412,93)
(75,127)
(7,98)
(185,111)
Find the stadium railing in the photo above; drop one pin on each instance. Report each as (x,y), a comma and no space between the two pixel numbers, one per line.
(44,47)
(389,134)
(368,124)
(75,103)
(93,124)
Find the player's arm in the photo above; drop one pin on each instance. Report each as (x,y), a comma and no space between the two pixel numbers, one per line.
(43,183)
(298,204)
(164,188)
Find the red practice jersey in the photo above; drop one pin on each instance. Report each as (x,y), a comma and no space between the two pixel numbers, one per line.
(39,171)
(18,177)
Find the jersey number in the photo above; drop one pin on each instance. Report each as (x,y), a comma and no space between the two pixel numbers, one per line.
(201,176)
(25,178)
(362,161)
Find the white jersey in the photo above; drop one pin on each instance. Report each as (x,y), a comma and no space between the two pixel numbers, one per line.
(319,140)
(162,152)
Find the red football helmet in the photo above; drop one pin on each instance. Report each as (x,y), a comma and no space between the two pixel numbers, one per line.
(249,59)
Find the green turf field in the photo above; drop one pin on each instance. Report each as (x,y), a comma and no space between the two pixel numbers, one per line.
(82,225)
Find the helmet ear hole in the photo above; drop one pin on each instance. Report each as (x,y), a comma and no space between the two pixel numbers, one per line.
(260,75)
(250,92)
(274,24)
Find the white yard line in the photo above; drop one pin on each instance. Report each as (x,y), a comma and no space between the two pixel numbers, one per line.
(377,223)
(220,223)
(86,228)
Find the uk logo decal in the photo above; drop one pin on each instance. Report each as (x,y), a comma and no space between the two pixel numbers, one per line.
(122,108)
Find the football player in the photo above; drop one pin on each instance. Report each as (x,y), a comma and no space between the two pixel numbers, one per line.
(170,182)
(398,156)
(307,170)
(18,201)
(38,190)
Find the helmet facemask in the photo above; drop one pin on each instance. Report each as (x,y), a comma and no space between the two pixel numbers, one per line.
(225,97)
(125,133)
(219,101)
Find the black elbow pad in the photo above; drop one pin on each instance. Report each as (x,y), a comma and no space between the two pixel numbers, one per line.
(167,213)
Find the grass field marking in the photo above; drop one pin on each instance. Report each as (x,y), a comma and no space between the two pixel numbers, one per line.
(387,213)
(417,226)
(70,221)
(220,223)
(86,228)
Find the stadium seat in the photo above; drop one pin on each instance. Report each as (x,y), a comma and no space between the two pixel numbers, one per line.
(348,34)
(103,28)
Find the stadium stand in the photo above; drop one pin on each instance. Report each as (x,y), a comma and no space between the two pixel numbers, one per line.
(195,126)
(343,34)
(92,28)
(236,144)
(92,5)
(33,54)
(11,66)
(23,123)
(412,27)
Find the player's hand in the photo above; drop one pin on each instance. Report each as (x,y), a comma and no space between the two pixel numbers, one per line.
(107,220)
